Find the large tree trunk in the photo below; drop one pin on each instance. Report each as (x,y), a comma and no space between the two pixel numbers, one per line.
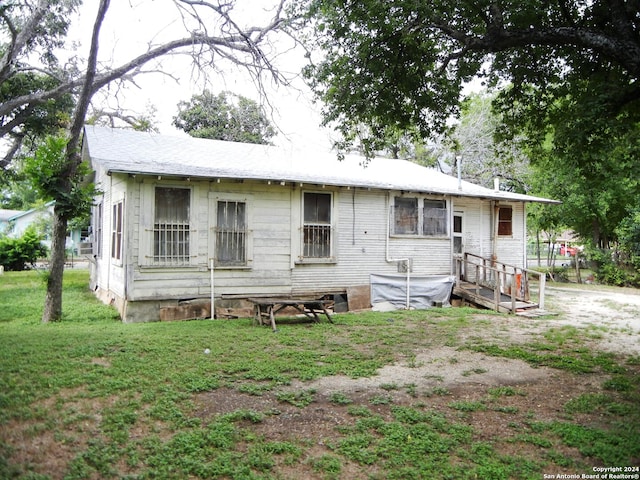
(53,300)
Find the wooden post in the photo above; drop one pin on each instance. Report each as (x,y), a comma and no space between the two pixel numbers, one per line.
(272,318)
(477,279)
(496,293)
(543,280)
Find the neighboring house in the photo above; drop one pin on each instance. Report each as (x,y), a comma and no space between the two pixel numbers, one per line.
(275,222)
(14,225)
(5,220)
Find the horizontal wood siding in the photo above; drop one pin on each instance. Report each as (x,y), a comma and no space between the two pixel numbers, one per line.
(511,249)
(360,237)
(478,230)
(109,274)
(268,271)
(361,248)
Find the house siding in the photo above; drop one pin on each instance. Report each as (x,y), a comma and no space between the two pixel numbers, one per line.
(268,269)
(362,246)
(479,218)
(360,230)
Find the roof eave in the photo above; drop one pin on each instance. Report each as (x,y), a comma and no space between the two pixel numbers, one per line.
(504,197)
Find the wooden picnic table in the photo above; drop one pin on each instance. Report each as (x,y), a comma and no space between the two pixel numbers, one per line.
(269,307)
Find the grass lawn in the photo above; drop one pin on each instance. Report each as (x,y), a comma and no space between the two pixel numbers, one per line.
(90,397)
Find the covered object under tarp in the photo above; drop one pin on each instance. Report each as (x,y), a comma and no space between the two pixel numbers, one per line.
(424,291)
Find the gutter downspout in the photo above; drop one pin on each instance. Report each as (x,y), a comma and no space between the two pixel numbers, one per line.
(388,258)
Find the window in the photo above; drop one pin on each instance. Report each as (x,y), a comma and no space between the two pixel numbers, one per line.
(171,225)
(97,245)
(505,223)
(434,218)
(457,232)
(406,216)
(317,225)
(418,216)
(231,233)
(116,231)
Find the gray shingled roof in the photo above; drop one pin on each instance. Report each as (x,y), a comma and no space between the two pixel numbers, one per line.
(127,151)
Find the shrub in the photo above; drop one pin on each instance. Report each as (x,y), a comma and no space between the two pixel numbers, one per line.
(19,253)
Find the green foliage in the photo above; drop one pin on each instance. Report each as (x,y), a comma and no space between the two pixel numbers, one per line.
(46,117)
(403,64)
(19,253)
(114,400)
(610,269)
(628,232)
(221,118)
(54,177)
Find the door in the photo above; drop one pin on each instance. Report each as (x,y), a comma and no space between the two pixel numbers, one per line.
(458,244)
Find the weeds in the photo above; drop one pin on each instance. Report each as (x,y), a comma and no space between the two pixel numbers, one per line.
(110,400)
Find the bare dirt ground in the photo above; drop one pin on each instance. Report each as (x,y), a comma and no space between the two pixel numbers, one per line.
(447,374)
(614,317)
(615,313)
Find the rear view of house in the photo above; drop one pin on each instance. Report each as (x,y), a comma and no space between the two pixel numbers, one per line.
(182,219)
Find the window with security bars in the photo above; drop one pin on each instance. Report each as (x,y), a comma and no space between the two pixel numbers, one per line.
(317,225)
(171,225)
(231,233)
(417,216)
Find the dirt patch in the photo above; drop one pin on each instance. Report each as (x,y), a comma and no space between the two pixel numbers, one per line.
(616,315)
(445,378)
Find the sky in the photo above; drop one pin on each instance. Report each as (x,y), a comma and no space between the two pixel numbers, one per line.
(131,25)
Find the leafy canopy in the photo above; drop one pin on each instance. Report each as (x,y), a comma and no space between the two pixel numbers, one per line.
(404,63)
(48,171)
(225,116)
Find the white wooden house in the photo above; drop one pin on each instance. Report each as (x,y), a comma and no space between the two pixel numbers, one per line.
(182,219)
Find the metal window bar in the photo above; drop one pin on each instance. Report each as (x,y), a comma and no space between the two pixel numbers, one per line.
(231,233)
(171,243)
(317,241)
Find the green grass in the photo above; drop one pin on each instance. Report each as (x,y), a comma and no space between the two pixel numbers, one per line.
(122,400)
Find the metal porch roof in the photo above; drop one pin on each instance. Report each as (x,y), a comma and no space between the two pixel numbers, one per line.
(128,151)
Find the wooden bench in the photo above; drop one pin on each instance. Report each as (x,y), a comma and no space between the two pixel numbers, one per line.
(267,308)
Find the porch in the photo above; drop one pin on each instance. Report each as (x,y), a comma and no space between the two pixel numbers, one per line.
(498,286)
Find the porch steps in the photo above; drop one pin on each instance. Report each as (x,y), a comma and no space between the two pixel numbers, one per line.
(484,297)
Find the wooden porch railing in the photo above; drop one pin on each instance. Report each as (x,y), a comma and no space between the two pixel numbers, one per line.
(501,278)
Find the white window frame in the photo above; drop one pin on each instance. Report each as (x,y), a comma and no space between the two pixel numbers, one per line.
(509,222)
(419,218)
(171,260)
(307,227)
(246,233)
(117,231)
(98,229)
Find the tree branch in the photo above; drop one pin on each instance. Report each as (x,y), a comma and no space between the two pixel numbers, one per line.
(20,38)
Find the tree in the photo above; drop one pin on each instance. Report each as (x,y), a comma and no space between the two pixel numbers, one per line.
(404,63)
(225,116)
(482,157)
(34,28)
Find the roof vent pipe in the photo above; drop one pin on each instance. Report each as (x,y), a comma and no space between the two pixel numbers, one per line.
(496,184)
(459,165)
